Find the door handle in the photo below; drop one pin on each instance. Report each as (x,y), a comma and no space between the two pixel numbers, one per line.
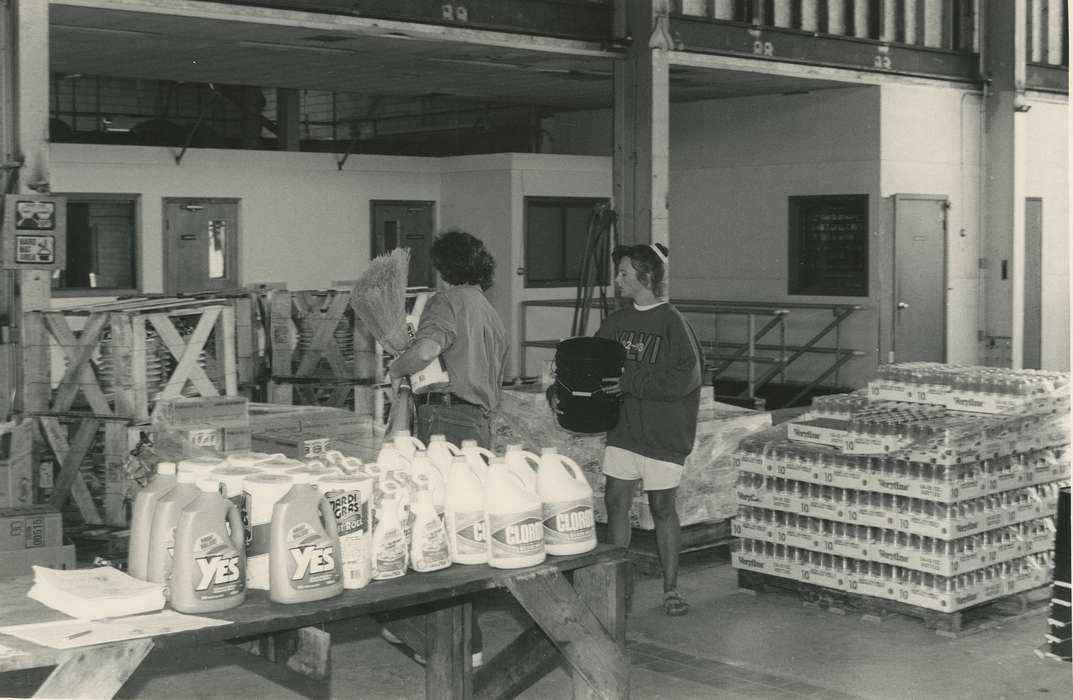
(520,271)
(903,305)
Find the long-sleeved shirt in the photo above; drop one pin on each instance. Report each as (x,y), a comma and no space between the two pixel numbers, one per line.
(660,382)
(474,342)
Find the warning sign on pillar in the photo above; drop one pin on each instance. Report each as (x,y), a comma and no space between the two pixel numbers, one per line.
(34,232)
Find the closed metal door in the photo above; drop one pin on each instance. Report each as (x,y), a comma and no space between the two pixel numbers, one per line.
(201,245)
(410,225)
(919,278)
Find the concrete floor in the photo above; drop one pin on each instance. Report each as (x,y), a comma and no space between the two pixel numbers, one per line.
(733,644)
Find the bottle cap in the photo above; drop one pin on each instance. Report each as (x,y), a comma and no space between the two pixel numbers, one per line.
(549,451)
(209,485)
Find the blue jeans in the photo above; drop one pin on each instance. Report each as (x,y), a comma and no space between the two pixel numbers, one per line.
(456,423)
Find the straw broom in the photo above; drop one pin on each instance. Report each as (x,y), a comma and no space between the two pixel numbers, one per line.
(379,300)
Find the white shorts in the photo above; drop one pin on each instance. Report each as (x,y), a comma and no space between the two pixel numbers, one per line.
(655,474)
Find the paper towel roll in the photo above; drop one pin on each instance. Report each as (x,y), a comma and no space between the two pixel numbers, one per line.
(262,491)
(201,466)
(279,464)
(231,479)
(248,459)
(310,475)
(350,497)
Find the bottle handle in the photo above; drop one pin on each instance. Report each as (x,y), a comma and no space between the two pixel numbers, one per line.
(531,457)
(573,466)
(327,516)
(484,451)
(417,443)
(238,533)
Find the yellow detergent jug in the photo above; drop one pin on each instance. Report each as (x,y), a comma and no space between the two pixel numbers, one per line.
(569,521)
(463,511)
(304,561)
(512,519)
(141,519)
(165,518)
(209,573)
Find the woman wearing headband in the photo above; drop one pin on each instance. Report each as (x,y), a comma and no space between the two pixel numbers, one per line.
(660,389)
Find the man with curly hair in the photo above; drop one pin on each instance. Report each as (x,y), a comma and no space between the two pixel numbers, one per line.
(460,326)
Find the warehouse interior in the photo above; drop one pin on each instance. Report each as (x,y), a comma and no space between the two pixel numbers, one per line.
(843,185)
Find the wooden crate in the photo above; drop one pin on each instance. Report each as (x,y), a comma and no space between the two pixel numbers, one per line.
(88,456)
(121,333)
(319,352)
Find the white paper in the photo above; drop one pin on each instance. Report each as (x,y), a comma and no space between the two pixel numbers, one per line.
(67,634)
(95,593)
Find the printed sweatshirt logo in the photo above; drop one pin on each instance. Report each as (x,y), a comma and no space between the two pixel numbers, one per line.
(641,347)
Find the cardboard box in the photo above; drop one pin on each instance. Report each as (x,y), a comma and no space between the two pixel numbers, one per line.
(204,412)
(296,445)
(30,528)
(819,431)
(16,465)
(20,562)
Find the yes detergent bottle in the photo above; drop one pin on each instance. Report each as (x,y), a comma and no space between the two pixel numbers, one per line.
(305,559)
(209,570)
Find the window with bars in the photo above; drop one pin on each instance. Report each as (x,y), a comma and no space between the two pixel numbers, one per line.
(829,245)
(556,231)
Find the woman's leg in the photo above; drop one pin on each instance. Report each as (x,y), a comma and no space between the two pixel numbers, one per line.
(668,534)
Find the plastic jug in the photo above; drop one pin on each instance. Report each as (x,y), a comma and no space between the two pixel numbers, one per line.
(390,459)
(442,453)
(390,553)
(518,461)
(406,443)
(463,511)
(141,519)
(304,561)
(165,519)
(569,520)
(209,572)
(477,456)
(423,467)
(428,546)
(512,520)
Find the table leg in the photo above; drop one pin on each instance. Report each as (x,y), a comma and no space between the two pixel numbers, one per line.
(448,664)
(306,651)
(602,588)
(95,672)
(598,660)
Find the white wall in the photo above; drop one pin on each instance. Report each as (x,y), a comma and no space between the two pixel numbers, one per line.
(302,221)
(1047,177)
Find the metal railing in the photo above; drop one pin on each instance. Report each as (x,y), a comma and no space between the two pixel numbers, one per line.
(761,320)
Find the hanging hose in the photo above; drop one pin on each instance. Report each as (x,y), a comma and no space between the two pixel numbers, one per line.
(595,264)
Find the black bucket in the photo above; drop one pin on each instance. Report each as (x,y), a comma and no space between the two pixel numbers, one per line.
(580,365)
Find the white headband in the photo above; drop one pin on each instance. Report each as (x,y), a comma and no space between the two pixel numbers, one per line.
(659,253)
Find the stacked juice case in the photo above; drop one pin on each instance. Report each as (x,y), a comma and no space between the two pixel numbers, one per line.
(898,492)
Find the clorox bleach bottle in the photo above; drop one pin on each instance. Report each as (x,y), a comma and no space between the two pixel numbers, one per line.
(512,518)
(210,554)
(463,513)
(406,444)
(141,519)
(518,460)
(569,522)
(477,456)
(422,466)
(390,551)
(442,453)
(428,546)
(165,518)
(304,562)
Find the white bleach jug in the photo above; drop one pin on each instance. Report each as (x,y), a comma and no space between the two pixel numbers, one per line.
(512,519)
(463,511)
(569,521)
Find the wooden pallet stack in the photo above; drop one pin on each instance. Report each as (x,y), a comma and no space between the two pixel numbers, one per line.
(117,359)
(319,353)
(898,495)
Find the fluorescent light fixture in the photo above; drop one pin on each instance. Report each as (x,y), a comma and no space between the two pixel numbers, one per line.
(101,30)
(296,47)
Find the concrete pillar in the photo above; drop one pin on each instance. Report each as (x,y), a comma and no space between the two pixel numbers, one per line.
(1003,53)
(641,155)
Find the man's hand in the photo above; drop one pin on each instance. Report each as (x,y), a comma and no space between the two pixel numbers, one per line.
(612,386)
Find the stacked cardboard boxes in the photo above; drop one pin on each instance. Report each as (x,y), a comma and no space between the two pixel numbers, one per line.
(16,464)
(32,536)
(911,501)
(303,432)
(194,427)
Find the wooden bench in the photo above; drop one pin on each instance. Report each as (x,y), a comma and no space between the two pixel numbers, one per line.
(577,604)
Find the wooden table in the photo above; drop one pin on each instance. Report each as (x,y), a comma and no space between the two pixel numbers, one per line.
(577,604)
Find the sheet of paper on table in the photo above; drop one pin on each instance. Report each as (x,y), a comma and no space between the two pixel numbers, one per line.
(99,592)
(67,634)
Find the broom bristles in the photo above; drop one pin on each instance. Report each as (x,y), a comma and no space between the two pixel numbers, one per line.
(379,298)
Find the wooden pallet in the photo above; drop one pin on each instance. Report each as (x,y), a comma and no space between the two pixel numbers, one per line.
(953,624)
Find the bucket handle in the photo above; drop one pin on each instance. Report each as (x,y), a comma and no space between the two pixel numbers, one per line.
(327,516)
